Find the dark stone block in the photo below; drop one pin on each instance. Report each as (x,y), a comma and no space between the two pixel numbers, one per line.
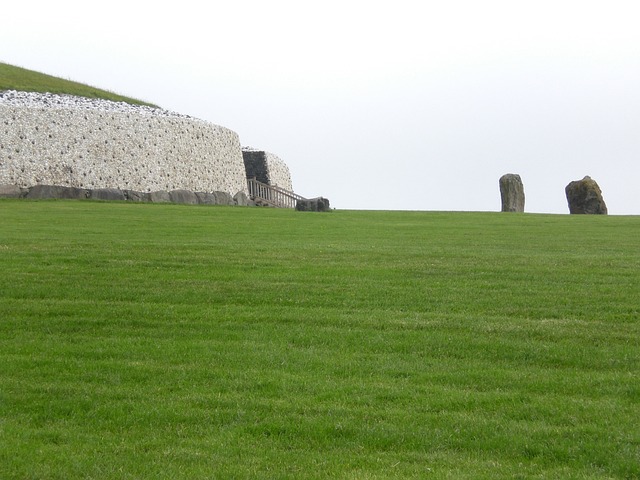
(319,204)
(255,164)
(161,196)
(11,191)
(107,194)
(183,196)
(57,191)
(133,196)
(241,199)
(206,198)
(224,198)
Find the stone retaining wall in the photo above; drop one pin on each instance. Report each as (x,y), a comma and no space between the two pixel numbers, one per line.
(93,144)
(39,192)
(267,168)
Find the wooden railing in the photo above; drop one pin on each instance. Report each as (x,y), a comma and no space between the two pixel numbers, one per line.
(263,194)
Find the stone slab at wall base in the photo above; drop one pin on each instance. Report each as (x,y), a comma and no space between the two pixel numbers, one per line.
(133,196)
(241,199)
(41,192)
(107,194)
(183,196)
(57,191)
(12,191)
(206,198)
(319,204)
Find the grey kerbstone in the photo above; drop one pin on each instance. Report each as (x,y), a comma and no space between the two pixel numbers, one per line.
(319,204)
(57,191)
(11,191)
(223,198)
(183,196)
(161,196)
(206,198)
(241,199)
(512,193)
(107,194)
(585,197)
(135,196)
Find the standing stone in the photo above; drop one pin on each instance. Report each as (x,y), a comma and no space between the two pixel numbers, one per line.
(512,193)
(585,196)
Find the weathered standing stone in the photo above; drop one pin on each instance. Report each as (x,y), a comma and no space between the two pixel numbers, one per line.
(512,193)
(585,196)
(319,204)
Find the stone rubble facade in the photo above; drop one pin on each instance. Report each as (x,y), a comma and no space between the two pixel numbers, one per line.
(92,144)
(267,168)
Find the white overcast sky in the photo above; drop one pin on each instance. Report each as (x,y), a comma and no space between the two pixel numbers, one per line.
(414,105)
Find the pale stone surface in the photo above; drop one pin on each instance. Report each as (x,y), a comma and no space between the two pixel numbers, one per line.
(91,144)
(512,193)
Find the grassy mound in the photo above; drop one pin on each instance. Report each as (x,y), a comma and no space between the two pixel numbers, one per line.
(173,341)
(17,78)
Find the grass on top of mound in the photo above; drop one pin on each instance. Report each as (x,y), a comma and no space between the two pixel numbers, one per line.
(22,79)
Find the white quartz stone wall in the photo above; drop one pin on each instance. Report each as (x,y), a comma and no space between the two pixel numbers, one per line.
(61,140)
(279,174)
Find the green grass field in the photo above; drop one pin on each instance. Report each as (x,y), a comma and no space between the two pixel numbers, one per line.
(174,341)
(22,79)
